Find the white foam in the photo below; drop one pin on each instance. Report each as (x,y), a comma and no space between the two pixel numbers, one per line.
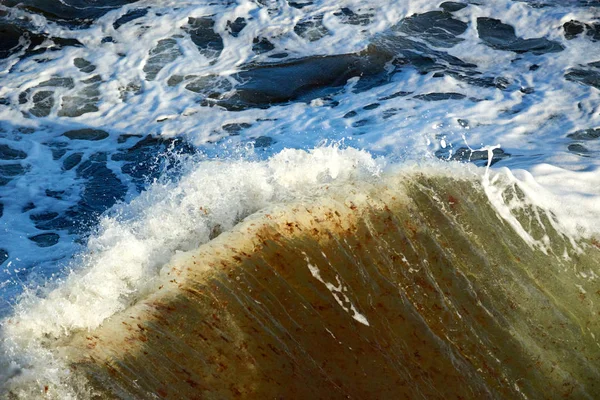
(573,196)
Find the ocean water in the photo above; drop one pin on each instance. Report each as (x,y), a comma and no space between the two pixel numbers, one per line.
(142,139)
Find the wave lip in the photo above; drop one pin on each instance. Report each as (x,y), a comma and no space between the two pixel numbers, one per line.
(410,287)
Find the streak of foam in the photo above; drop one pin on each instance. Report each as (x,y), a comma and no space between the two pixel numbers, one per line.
(567,200)
(338,293)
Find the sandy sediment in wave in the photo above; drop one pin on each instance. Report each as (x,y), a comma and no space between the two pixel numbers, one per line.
(412,288)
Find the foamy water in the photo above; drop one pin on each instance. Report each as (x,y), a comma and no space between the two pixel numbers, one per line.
(223,144)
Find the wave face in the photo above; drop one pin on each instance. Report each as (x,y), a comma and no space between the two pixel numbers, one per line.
(412,287)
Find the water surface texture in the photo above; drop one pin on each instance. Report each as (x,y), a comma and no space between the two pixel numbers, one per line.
(234,198)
